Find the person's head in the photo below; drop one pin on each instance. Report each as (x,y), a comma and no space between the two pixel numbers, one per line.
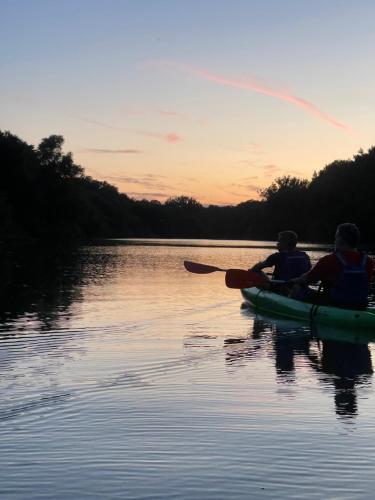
(287,240)
(347,236)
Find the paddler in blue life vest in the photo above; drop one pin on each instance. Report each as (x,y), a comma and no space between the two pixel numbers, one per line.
(345,274)
(288,262)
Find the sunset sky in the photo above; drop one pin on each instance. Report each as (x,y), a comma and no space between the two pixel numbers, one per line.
(211,99)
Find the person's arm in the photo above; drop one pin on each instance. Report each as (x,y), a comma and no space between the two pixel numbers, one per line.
(304,279)
(259,266)
(269,262)
(315,274)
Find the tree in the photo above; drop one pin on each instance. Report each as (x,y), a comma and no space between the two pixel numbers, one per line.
(284,187)
(43,193)
(183,202)
(51,156)
(184,217)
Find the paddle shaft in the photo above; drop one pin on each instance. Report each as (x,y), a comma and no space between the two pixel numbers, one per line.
(234,278)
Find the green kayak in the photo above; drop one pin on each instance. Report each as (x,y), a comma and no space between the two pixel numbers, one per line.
(280,305)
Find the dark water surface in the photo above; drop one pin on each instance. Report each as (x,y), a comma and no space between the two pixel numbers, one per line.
(124,376)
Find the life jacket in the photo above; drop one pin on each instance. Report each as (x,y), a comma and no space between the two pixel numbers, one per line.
(292,264)
(352,286)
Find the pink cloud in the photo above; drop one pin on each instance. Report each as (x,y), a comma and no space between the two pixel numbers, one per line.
(138,111)
(116,151)
(256,86)
(164,112)
(248,187)
(270,168)
(147,181)
(170,137)
(133,111)
(147,195)
(95,122)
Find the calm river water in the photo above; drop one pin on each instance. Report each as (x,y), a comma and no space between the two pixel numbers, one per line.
(122,376)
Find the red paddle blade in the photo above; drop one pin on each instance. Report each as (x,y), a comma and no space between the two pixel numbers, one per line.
(238,278)
(194,267)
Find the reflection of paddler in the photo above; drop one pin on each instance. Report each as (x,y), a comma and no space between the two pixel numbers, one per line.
(351,364)
(286,346)
(344,364)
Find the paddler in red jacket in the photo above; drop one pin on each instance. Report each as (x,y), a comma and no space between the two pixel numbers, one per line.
(345,274)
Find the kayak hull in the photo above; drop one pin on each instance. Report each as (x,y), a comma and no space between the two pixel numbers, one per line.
(280,305)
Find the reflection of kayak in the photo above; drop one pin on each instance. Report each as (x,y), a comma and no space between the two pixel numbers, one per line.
(354,336)
(292,327)
(280,305)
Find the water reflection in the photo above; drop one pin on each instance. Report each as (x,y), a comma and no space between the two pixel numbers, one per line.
(347,366)
(41,282)
(341,361)
(39,285)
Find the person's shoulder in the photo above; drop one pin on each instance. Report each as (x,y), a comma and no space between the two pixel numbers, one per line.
(273,258)
(327,263)
(275,255)
(299,251)
(331,257)
(356,257)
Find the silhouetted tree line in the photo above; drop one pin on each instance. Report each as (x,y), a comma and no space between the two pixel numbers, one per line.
(43,193)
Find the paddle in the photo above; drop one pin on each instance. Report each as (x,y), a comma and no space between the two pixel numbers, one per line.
(238,278)
(234,278)
(194,267)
